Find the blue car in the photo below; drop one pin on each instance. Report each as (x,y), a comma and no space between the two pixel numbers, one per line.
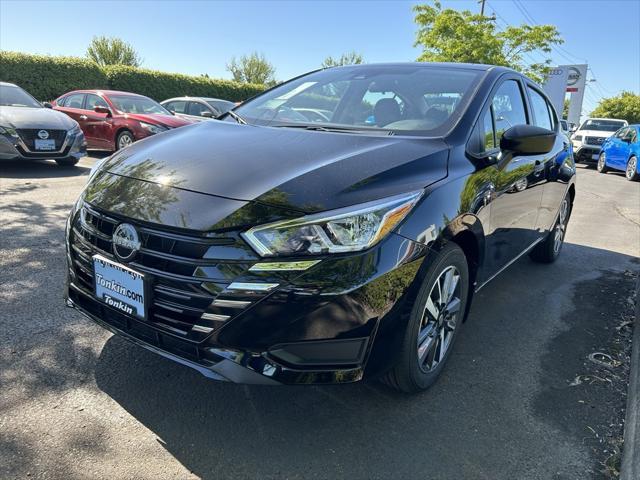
(621,152)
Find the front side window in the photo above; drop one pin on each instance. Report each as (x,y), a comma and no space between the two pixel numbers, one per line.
(179,106)
(541,116)
(411,99)
(94,101)
(508,107)
(12,96)
(137,104)
(196,109)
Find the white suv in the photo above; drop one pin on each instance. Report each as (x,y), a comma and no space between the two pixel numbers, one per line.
(588,139)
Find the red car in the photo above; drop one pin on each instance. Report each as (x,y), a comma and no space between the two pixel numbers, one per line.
(111,120)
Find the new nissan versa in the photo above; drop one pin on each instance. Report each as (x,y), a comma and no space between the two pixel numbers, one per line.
(621,151)
(112,120)
(30,130)
(283,246)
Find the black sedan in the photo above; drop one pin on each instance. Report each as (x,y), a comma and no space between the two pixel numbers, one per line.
(332,229)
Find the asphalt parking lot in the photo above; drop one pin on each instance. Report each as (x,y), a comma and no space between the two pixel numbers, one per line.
(518,400)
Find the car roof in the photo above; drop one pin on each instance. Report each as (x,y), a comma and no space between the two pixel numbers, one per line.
(205,99)
(7,84)
(460,66)
(106,92)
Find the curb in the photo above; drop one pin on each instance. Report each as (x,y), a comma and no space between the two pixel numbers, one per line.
(630,468)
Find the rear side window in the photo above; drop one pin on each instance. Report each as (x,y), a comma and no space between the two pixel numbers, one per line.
(508,107)
(75,100)
(541,114)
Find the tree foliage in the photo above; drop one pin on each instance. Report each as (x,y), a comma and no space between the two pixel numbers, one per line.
(448,35)
(351,58)
(625,106)
(112,51)
(253,68)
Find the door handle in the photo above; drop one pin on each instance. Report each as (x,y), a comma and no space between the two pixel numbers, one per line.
(83,117)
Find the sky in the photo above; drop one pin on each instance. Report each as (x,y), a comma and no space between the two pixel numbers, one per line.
(197,37)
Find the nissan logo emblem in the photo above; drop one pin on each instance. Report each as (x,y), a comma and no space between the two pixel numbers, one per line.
(126,242)
(43,134)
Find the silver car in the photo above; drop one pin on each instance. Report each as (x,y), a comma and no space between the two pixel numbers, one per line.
(197,108)
(30,130)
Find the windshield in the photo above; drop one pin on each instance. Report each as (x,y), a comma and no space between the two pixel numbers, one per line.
(405,99)
(11,96)
(136,104)
(605,125)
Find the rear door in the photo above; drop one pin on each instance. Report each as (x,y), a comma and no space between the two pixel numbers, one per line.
(73,106)
(546,167)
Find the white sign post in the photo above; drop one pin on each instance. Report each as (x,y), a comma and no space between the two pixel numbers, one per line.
(567,79)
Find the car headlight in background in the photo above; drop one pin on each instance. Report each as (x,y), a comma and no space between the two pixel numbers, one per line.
(345,230)
(8,131)
(153,128)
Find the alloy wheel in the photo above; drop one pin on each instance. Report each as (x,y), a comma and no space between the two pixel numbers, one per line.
(439,319)
(124,141)
(631,167)
(561,226)
(602,163)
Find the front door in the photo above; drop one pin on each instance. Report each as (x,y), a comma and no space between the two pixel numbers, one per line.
(99,126)
(516,182)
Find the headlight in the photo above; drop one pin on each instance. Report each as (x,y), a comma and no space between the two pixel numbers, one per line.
(8,131)
(345,230)
(96,168)
(153,128)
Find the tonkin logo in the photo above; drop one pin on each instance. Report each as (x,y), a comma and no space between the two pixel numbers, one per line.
(43,134)
(126,242)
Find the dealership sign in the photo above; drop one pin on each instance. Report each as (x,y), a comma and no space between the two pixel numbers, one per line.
(567,79)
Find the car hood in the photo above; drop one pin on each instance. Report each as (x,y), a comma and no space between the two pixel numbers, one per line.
(24,117)
(303,170)
(169,121)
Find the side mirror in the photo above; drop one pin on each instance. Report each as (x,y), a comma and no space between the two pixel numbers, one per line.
(47,105)
(207,114)
(527,140)
(101,109)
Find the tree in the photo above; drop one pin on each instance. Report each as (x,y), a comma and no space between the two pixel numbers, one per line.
(252,68)
(565,108)
(625,106)
(351,58)
(448,35)
(113,51)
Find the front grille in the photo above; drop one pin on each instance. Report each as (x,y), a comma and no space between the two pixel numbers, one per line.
(189,296)
(29,135)
(594,140)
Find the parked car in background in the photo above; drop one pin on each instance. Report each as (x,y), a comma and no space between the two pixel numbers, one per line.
(112,120)
(272,248)
(30,130)
(588,138)
(621,151)
(197,108)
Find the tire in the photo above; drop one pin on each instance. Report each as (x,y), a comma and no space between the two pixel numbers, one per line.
(67,162)
(602,164)
(631,172)
(549,249)
(436,326)
(124,139)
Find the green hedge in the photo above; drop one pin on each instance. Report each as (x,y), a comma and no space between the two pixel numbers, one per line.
(46,78)
(161,85)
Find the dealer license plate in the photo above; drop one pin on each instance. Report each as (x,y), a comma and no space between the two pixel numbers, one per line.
(119,287)
(48,144)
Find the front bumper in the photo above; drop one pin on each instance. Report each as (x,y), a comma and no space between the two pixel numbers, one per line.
(334,323)
(586,153)
(14,148)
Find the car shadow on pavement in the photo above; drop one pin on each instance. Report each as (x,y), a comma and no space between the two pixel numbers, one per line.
(490,415)
(39,169)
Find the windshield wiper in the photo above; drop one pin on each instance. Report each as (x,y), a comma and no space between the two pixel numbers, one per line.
(323,128)
(237,117)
